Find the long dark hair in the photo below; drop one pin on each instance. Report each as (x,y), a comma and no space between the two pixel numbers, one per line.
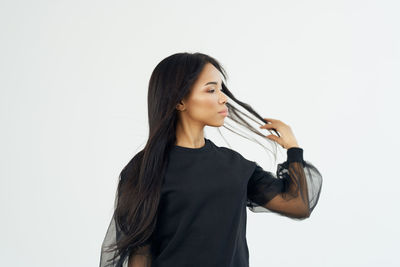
(139,187)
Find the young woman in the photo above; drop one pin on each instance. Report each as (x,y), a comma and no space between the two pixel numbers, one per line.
(181,201)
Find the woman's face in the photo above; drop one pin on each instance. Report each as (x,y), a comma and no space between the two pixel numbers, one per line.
(205,101)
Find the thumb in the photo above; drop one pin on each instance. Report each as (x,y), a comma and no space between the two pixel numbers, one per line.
(272,137)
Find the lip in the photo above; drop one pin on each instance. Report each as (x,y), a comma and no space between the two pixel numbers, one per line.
(224,112)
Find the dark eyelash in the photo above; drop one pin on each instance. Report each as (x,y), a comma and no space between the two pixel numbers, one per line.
(214,90)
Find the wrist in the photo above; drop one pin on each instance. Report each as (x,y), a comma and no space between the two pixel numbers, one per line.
(293,145)
(295,154)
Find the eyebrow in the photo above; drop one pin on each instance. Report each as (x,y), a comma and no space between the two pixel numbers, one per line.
(212,83)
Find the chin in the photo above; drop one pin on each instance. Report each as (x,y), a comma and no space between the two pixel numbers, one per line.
(216,124)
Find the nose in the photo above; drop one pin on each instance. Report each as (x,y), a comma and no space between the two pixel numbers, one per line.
(224,98)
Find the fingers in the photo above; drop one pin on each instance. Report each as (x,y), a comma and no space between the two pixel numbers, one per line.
(269,123)
(267,126)
(270,119)
(272,124)
(274,121)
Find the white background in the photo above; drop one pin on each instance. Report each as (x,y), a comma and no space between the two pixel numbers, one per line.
(73,103)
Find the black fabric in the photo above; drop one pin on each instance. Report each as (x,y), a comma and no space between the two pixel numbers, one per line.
(293,177)
(202,212)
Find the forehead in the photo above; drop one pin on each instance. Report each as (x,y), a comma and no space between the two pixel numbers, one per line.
(209,74)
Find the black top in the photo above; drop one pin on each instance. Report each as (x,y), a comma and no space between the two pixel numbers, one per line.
(202,212)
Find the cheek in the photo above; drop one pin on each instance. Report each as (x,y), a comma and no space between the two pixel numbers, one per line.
(204,106)
(210,103)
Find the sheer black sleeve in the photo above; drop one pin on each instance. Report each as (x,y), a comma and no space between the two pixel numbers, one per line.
(141,258)
(295,188)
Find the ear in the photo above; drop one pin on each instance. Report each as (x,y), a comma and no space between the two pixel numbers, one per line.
(180,106)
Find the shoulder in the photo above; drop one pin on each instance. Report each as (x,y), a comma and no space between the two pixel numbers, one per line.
(231,152)
(224,150)
(234,157)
